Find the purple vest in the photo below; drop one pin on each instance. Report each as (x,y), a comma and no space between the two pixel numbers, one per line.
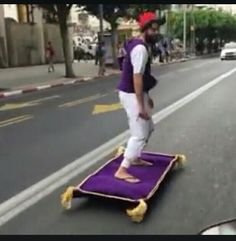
(126,83)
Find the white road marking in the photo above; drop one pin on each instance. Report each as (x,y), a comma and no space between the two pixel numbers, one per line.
(19,203)
(20,105)
(69,82)
(45,99)
(15,92)
(82,101)
(184,69)
(190,97)
(15,120)
(43,87)
(196,66)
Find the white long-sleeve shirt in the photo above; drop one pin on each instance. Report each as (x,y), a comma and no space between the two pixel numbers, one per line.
(139,58)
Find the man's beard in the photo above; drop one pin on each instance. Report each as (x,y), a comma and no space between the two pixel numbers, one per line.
(151,39)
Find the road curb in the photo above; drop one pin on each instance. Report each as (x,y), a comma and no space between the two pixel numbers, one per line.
(40,87)
(25,90)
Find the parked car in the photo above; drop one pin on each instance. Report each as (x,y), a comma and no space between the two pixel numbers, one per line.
(229,51)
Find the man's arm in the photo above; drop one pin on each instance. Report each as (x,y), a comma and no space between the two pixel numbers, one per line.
(138,87)
(139,58)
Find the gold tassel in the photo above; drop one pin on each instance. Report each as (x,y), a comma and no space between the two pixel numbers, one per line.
(120,151)
(181,160)
(67,197)
(137,213)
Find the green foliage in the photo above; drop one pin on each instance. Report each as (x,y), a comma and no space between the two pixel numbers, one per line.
(112,12)
(209,24)
(134,10)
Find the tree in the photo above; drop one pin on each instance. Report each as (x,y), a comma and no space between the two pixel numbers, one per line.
(60,13)
(135,9)
(227,27)
(209,24)
(111,13)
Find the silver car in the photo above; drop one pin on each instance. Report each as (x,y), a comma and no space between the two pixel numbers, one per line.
(229,51)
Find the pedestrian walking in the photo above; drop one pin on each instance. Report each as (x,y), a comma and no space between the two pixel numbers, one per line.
(166,49)
(50,53)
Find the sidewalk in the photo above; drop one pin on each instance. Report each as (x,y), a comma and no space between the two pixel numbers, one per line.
(16,78)
(14,81)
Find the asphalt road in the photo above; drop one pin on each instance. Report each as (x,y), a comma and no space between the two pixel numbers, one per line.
(61,128)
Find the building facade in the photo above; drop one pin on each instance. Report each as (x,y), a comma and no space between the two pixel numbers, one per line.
(85,23)
(3,41)
(11,11)
(24,35)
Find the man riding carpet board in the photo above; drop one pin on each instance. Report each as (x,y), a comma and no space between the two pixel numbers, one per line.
(134,87)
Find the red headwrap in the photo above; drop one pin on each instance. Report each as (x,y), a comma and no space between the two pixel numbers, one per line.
(146,17)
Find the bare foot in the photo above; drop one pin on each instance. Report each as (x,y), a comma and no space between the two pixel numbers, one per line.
(140,162)
(122,174)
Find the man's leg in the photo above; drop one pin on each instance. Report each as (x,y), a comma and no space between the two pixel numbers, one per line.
(52,64)
(148,132)
(48,62)
(134,147)
(139,133)
(49,65)
(103,66)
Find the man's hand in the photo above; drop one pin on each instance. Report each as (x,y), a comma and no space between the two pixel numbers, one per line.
(144,115)
(150,103)
(138,86)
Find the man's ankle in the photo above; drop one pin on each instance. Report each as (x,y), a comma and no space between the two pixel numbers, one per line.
(122,169)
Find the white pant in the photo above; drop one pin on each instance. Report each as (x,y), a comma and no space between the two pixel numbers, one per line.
(140,129)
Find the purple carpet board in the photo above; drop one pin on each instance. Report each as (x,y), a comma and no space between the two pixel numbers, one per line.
(103,183)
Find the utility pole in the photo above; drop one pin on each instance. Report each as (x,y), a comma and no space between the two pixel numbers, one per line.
(167,23)
(101,38)
(184,29)
(193,30)
(101,22)
(3,42)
